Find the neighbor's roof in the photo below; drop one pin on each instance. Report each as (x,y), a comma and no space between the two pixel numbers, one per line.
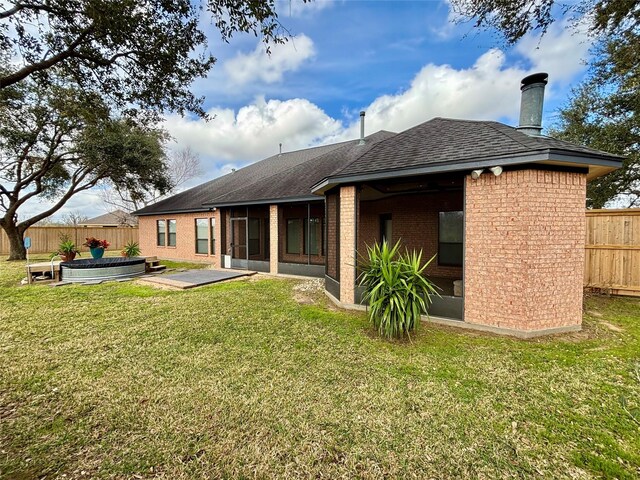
(444,144)
(117,217)
(239,183)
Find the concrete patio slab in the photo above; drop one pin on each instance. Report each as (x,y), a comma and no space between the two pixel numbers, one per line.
(196,278)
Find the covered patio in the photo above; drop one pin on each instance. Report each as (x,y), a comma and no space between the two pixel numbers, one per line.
(424,213)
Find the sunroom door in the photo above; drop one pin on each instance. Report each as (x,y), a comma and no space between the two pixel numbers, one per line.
(239,257)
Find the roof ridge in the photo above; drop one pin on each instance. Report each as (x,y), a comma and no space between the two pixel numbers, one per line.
(246,185)
(515,138)
(302,150)
(376,144)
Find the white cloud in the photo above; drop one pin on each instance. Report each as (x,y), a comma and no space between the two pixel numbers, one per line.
(259,66)
(561,52)
(447,30)
(255,130)
(88,202)
(488,90)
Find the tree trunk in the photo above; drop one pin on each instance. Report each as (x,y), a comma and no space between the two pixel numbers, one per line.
(16,242)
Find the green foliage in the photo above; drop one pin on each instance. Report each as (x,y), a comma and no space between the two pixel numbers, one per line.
(66,246)
(603,113)
(396,289)
(58,141)
(633,410)
(516,18)
(131,249)
(143,53)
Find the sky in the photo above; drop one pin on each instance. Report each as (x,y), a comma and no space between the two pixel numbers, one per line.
(403,62)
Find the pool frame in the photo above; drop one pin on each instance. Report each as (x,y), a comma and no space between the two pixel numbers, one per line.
(110,268)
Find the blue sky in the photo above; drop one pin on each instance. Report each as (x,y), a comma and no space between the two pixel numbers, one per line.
(404,62)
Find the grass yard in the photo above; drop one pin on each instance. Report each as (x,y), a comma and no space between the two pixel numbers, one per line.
(261,379)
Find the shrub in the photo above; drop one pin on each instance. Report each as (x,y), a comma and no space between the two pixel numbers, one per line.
(66,247)
(131,249)
(396,289)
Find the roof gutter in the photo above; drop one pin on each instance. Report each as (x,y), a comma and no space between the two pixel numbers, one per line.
(269,201)
(550,155)
(171,212)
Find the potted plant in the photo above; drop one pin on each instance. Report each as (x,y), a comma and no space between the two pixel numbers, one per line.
(67,249)
(96,247)
(131,249)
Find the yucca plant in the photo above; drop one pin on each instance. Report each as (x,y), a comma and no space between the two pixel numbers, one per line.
(396,289)
(131,249)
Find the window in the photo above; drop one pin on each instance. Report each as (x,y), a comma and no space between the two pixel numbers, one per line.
(254,236)
(172,232)
(313,236)
(213,236)
(294,235)
(202,240)
(161,232)
(385,228)
(450,233)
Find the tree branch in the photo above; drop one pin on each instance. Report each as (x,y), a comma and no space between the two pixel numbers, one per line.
(73,189)
(24,72)
(11,11)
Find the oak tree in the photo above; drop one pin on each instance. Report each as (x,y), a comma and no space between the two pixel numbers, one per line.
(57,141)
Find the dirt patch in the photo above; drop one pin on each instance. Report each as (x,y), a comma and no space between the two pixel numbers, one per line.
(308,292)
(612,327)
(310,286)
(303,299)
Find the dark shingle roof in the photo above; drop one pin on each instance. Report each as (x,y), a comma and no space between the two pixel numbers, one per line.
(238,184)
(297,181)
(443,140)
(442,143)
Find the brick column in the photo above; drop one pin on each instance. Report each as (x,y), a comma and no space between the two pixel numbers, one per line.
(217,259)
(273,239)
(348,222)
(524,250)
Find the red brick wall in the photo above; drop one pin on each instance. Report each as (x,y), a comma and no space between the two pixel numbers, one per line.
(185,248)
(348,221)
(273,235)
(524,255)
(414,220)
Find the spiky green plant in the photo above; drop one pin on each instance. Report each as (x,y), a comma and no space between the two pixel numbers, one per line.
(131,249)
(396,289)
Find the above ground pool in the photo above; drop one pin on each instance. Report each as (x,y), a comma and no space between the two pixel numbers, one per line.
(109,268)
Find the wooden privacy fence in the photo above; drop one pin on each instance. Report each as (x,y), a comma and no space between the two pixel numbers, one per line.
(613,251)
(46,239)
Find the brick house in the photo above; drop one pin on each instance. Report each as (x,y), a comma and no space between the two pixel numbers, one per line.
(501,207)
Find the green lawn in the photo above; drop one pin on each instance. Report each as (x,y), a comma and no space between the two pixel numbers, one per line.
(260,379)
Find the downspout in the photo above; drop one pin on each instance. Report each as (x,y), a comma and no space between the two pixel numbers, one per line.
(246,237)
(308,234)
